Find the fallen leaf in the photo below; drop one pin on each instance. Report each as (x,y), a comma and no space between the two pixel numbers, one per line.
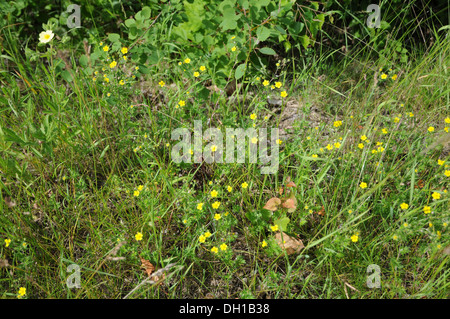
(147,265)
(289,203)
(272,204)
(420,184)
(290,244)
(3,263)
(291,184)
(321,212)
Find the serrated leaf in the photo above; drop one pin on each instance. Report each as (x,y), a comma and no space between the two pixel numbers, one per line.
(113,37)
(282,223)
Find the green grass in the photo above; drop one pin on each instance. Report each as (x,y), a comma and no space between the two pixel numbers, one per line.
(73,158)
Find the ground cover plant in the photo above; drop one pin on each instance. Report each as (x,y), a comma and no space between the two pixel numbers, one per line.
(92,204)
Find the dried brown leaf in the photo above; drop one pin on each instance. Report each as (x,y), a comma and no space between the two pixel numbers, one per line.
(290,244)
(147,265)
(272,204)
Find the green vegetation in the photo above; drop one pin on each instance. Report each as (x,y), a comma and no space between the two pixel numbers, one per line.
(87,178)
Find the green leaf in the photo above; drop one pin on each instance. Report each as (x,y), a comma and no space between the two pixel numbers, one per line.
(267,51)
(145,12)
(304,40)
(113,37)
(262,33)
(240,70)
(84,60)
(282,223)
(130,23)
(67,76)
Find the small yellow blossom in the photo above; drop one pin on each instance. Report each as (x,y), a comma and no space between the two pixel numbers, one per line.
(138,236)
(202,238)
(223,247)
(136,193)
(233,49)
(7,242)
(354,238)
(244,185)
(196,74)
(436,195)
(383,76)
(215,250)
(187,60)
(200,206)
(427,209)
(263,244)
(253,116)
(441,162)
(431,129)
(278,84)
(229,189)
(161,83)
(274,227)
(217,216)
(404,206)
(207,234)
(283,94)
(202,68)
(216,205)
(124,50)
(363,185)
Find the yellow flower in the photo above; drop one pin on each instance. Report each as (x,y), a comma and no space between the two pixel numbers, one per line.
(196,74)
(314,155)
(136,193)
(202,238)
(254,140)
(427,209)
(187,60)
(395,237)
(244,185)
(140,188)
(214,193)
(436,195)
(182,103)
(350,211)
(383,76)
(394,77)
(447,120)
(337,144)
(283,94)
(233,49)
(363,185)
(22,292)
(405,225)
(121,82)
(106,48)
(213,148)
(7,242)
(447,173)
(253,116)
(279,141)
(223,247)
(216,205)
(217,216)
(138,236)
(354,238)
(336,124)
(215,250)
(363,137)
(431,129)
(329,147)
(161,83)
(124,50)
(384,131)
(441,162)
(361,145)
(274,227)
(404,206)
(411,114)
(200,206)
(136,68)
(207,234)
(278,84)
(396,120)
(263,244)
(46,36)
(202,68)
(266,83)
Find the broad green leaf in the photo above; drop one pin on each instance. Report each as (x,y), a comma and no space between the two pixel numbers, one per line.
(282,223)
(262,33)
(240,70)
(113,37)
(267,51)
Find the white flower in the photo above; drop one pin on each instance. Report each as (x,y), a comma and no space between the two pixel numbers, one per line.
(46,36)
